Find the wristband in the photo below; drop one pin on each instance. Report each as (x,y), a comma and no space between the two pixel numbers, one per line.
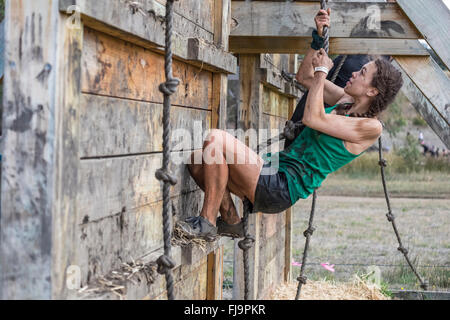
(318,41)
(321,69)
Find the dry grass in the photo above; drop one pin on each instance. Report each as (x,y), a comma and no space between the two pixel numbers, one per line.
(327,290)
(115,282)
(180,239)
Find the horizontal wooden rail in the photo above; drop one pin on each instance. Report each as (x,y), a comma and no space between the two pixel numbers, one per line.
(145,29)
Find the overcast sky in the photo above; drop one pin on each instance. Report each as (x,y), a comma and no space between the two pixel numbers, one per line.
(447,2)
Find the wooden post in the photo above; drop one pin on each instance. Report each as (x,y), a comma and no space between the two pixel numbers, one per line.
(29,147)
(249,117)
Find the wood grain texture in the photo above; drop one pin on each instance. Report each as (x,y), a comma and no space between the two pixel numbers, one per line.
(117,19)
(132,234)
(432,19)
(431,80)
(112,126)
(292,45)
(296,19)
(116,68)
(106,186)
(425,108)
(28,148)
(275,104)
(211,55)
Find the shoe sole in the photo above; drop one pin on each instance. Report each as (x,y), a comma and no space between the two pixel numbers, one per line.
(191,236)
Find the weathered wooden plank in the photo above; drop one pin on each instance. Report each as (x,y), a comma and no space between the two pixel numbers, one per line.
(215,275)
(207,53)
(64,252)
(425,108)
(421,71)
(111,126)
(274,103)
(130,235)
(296,19)
(222,22)
(432,19)
(144,27)
(108,185)
(29,124)
(201,12)
(116,68)
(249,117)
(292,45)
(219,105)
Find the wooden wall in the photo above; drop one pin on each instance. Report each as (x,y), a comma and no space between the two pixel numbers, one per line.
(266,101)
(89,197)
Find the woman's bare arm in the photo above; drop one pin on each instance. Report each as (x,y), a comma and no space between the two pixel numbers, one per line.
(305,75)
(354,130)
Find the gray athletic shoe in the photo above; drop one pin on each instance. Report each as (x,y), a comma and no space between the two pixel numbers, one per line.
(230,230)
(198,227)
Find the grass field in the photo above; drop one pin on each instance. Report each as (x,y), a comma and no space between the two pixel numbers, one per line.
(352,231)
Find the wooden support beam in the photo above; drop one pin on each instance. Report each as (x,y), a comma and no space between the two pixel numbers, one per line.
(296,19)
(403,47)
(145,29)
(358,28)
(29,146)
(427,88)
(432,19)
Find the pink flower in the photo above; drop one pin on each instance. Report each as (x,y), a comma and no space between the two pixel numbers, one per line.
(296,264)
(327,266)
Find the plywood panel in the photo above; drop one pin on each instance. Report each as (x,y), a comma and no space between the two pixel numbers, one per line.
(116,68)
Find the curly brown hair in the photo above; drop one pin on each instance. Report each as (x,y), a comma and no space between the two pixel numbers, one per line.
(388,81)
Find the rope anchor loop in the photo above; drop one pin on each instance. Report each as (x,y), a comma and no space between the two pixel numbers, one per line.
(302,279)
(170,86)
(247,243)
(165,176)
(165,263)
(309,231)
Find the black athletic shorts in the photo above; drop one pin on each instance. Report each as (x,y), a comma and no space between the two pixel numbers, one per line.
(272,192)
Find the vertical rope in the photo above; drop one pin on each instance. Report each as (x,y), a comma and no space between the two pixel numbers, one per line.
(245,246)
(391,218)
(165,262)
(308,233)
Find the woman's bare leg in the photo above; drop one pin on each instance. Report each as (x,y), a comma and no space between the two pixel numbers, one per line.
(227,208)
(227,162)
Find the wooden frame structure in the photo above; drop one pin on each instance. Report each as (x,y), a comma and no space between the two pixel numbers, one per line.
(83,139)
(82,127)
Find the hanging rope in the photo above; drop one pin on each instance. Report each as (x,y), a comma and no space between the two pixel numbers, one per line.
(391,218)
(245,245)
(308,232)
(165,262)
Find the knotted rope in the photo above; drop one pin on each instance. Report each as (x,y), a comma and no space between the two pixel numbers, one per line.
(245,245)
(165,262)
(391,218)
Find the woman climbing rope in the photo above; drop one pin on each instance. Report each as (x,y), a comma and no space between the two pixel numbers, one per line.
(333,137)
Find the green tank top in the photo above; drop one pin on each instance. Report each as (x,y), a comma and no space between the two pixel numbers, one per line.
(309,159)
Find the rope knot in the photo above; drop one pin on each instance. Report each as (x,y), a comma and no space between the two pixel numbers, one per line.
(302,279)
(309,231)
(165,176)
(382,163)
(246,243)
(403,250)
(165,263)
(390,216)
(424,285)
(169,87)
